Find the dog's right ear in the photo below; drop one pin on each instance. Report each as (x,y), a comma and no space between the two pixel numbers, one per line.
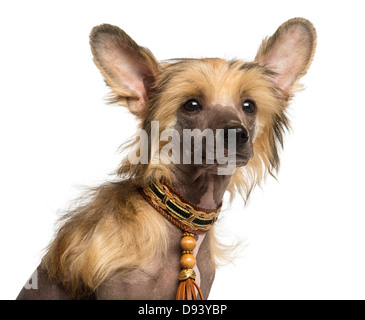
(289,52)
(128,69)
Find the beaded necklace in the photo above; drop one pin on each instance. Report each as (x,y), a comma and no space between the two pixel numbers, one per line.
(189,218)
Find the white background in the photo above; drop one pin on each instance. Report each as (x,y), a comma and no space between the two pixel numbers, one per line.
(304,233)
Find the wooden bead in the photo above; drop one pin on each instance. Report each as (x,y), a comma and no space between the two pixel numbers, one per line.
(187,261)
(188,243)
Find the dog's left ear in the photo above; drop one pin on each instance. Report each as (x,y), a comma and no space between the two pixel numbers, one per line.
(128,68)
(289,52)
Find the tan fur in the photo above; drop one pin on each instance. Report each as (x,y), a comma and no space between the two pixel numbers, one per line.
(114,231)
(111,234)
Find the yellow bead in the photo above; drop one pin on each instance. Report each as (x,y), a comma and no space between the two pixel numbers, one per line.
(188,243)
(187,261)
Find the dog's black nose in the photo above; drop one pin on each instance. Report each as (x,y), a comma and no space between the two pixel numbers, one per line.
(240,133)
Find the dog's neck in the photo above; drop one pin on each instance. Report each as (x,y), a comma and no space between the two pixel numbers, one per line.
(203,188)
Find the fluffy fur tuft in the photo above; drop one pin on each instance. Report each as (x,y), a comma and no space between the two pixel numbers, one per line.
(110,234)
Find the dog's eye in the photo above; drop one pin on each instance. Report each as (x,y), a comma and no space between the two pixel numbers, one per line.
(249,106)
(192,106)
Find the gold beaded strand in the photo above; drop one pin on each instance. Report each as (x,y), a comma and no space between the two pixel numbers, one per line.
(187,276)
(188,244)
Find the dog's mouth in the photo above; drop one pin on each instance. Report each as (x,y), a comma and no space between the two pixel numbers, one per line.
(242,159)
(208,157)
(237,159)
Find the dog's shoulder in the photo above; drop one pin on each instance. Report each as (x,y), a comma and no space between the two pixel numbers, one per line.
(45,288)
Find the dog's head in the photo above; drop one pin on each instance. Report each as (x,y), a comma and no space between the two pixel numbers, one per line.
(243,101)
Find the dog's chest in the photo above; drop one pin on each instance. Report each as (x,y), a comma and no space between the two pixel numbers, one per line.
(160,279)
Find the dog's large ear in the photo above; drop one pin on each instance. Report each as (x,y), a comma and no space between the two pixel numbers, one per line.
(128,69)
(289,52)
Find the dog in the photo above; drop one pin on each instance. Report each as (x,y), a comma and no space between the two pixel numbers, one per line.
(150,234)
